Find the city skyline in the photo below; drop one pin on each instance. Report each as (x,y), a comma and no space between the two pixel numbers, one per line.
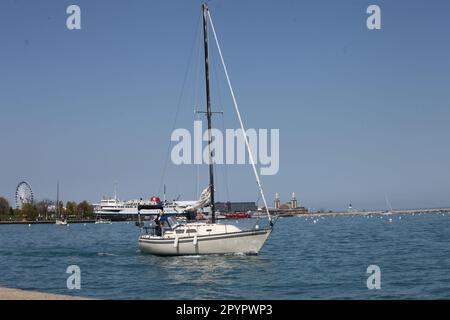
(362,113)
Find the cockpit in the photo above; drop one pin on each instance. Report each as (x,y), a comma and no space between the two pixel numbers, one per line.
(166,223)
(169,222)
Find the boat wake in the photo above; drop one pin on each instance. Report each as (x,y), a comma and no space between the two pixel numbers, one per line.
(106,254)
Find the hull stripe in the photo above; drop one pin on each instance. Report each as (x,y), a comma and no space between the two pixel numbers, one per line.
(207,237)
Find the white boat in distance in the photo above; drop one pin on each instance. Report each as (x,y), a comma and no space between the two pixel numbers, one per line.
(388,204)
(103,221)
(169,237)
(115,207)
(60,222)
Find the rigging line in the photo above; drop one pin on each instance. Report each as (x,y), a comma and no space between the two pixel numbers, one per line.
(258,219)
(258,198)
(252,160)
(163,174)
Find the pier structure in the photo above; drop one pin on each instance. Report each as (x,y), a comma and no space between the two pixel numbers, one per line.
(287,209)
(277,201)
(294,201)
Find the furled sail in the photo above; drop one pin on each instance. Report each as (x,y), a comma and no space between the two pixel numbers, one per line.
(204,201)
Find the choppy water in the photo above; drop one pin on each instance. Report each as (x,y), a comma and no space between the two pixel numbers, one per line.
(303,259)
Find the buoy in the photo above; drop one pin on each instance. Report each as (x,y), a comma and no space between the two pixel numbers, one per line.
(29,224)
(390,219)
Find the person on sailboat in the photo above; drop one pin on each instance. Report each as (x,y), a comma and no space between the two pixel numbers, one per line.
(158,225)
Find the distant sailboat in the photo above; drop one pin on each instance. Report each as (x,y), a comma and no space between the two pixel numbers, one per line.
(389,207)
(170,237)
(59,220)
(103,221)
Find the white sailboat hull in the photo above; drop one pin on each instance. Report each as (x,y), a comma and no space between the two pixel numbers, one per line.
(244,242)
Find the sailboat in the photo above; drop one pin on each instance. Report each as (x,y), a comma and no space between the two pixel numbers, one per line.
(60,221)
(100,220)
(169,236)
(389,211)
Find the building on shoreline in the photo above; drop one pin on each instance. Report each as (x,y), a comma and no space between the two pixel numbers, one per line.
(289,208)
(235,206)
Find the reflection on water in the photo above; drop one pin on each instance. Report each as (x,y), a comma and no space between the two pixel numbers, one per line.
(206,274)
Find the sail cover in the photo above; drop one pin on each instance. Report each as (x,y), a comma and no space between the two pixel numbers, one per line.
(204,201)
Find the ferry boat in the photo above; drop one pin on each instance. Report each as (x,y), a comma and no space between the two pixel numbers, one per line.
(114,207)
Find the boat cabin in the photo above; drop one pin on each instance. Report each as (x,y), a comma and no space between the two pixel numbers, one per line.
(170,227)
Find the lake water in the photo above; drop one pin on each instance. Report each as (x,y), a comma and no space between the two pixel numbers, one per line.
(303,259)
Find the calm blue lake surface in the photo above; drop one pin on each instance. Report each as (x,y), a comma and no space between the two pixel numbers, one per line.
(327,259)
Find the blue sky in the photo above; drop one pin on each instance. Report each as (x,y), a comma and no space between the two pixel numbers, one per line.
(361,113)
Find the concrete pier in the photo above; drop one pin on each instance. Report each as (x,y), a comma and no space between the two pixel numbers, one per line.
(16,294)
(366,213)
(288,213)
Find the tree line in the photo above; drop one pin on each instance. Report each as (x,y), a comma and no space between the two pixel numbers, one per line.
(46,210)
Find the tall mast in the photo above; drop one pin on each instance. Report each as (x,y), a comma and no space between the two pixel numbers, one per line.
(208,110)
(57,199)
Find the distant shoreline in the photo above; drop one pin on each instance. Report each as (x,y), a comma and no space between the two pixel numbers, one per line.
(259,215)
(361,213)
(45,222)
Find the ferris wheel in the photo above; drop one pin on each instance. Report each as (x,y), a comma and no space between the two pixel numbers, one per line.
(24,194)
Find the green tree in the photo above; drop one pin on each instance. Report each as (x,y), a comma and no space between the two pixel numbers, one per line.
(17,213)
(71,208)
(29,212)
(61,210)
(42,207)
(4,206)
(85,209)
